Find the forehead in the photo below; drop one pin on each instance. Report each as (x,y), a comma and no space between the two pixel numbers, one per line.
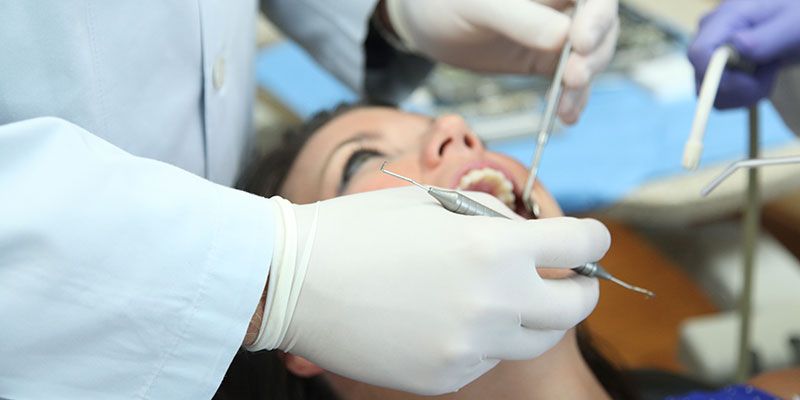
(307,170)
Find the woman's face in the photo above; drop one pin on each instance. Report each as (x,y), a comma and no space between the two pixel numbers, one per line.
(345,156)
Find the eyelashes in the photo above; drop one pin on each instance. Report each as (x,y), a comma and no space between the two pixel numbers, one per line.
(354,164)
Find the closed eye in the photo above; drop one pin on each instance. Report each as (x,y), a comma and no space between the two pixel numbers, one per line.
(354,164)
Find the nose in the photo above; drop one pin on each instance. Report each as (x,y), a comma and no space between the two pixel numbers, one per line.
(449,136)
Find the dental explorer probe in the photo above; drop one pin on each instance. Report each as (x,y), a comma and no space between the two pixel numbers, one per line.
(547,122)
(458,203)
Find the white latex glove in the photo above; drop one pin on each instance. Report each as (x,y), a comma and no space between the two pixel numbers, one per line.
(513,36)
(401,293)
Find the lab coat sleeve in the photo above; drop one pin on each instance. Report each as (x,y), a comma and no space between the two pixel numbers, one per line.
(120,277)
(335,32)
(786,97)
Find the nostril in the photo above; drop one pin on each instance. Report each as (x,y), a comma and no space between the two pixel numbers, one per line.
(469,141)
(443,145)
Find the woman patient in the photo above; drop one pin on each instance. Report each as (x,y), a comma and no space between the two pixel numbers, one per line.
(340,152)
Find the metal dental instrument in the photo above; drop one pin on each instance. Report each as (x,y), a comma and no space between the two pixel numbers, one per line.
(450,199)
(723,57)
(548,120)
(593,270)
(458,203)
(750,163)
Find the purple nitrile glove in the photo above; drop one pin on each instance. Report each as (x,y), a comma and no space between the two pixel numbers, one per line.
(764,32)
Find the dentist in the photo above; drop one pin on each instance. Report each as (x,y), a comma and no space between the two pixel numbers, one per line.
(765,33)
(129,268)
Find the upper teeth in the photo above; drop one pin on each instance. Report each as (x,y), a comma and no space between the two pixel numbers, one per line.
(501,187)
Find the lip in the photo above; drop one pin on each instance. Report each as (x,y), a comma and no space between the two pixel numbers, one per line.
(516,185)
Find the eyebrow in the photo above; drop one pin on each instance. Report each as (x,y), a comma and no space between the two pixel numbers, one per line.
(357,138)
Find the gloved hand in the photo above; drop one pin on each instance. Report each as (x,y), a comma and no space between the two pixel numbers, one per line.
(766,33)
(399,292)
(513,36)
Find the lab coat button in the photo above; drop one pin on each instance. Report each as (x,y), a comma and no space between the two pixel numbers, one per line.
(218,73)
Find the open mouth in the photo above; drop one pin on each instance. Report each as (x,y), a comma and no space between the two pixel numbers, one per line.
(497,183)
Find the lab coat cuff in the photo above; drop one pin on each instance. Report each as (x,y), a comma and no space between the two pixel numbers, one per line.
(236,270)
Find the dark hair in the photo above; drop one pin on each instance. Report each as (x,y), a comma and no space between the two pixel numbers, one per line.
(262,375)
(614,381)
(264,174)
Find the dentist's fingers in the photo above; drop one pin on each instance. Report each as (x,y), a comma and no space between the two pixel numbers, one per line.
(528,23)
(562,242)
(525,344)
(593,24)
(581,69)
(561,303)
(551,307)
(573,101)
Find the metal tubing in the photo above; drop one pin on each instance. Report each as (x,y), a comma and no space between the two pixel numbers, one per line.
(548,121)
(750,230)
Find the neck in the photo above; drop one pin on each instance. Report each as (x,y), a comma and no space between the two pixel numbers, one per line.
(559,373)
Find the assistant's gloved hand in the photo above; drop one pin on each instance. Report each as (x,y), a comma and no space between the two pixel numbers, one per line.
(399,292)
(766,33)
(513,36)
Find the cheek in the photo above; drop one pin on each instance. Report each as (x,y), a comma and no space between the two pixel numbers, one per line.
(372,182)
(372,179)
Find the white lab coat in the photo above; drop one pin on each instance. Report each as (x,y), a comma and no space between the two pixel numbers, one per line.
(122,276)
